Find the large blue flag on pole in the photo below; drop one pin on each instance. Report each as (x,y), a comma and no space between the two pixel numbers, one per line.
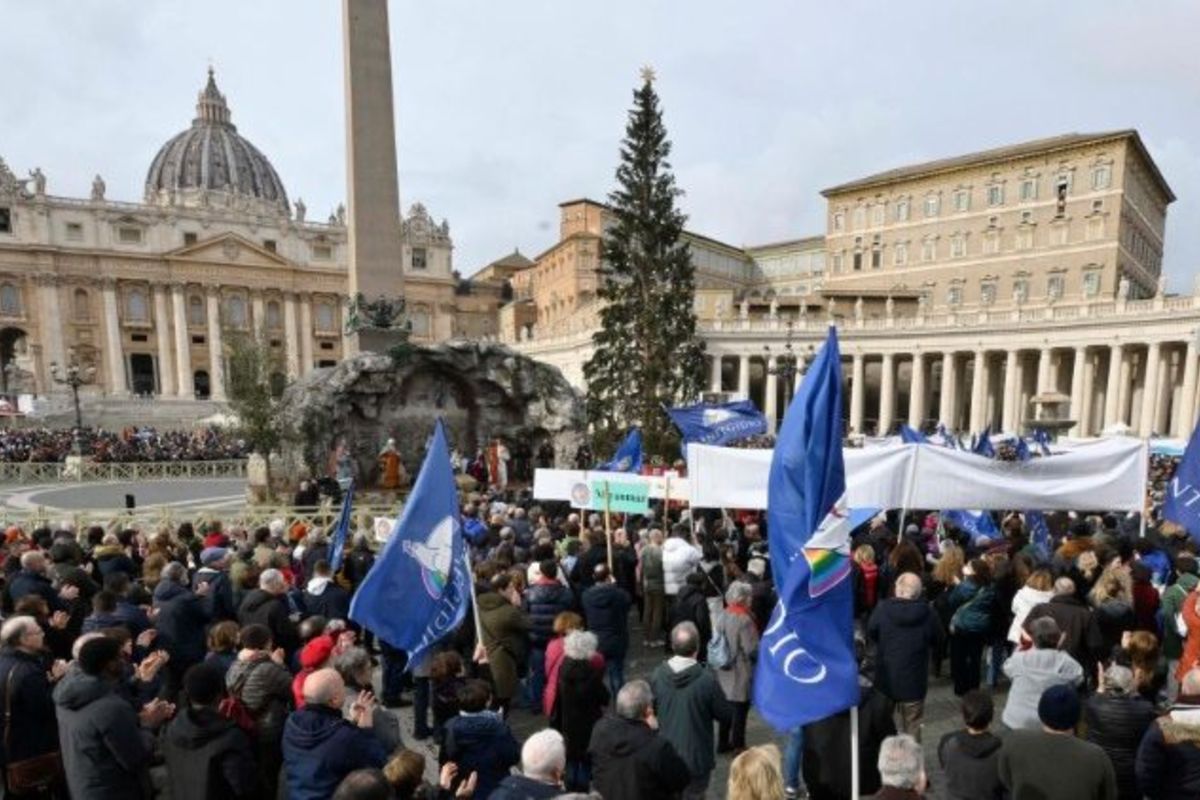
(418,590)
(910,436)
(628,457)
(718,423)
(1181,504)
(806,666)
(337,547)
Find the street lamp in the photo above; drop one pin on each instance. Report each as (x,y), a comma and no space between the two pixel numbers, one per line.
(789,364)
(74,375)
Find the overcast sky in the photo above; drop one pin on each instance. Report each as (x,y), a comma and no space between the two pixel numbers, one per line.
(505,109)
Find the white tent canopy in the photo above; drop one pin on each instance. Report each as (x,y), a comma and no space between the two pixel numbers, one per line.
(1106,474)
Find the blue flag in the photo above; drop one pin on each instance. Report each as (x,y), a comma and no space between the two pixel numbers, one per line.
(1043,440)
(718,423)
(1035,521)
(1022,448)
(978,524)
(948,438)
(806,667)
(628,457)
(983,446)
(341,531)
(418,590)
(910,436)
(1181,503)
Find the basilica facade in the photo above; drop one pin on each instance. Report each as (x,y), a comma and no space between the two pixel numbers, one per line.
(150,294)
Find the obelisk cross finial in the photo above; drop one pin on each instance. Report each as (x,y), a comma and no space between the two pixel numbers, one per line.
(648,75)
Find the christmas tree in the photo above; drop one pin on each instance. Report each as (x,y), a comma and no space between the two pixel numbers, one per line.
(646,354)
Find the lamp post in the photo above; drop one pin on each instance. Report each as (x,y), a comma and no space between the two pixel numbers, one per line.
(789,364)
(74,375)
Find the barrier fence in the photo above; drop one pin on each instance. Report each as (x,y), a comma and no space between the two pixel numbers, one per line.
(39,472)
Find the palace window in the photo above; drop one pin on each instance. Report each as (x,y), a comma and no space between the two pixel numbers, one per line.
(1095,228)
(876,253)
(1054,287)
(1101,176)
(929,249)
(900,254)
(322,252)
(82,306)
(235,312)
(195,312)
(933,205)
(136,308)
(1061,188)
(877,214)
(419,258)
(73,231)
(954,296)
(189,238)
(1021,289)
(129,235)
(5,220)
(987,293)
(269,245)
(962,200)
(995,194)
(860,217)
(1091,283)
(958,245)
(10,300)
(1060,232)
(1028,190)
(1025,238)
(274,316)
(324,314)
(991,242)
(837,262)
(902,210)
(839,221)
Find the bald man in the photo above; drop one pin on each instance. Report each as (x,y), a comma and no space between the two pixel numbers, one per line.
(905,629)
(320,746)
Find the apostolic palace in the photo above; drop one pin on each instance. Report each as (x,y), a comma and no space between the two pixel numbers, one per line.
(963,288)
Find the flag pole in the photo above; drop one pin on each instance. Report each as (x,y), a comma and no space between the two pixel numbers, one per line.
(474,605)
(608,525)
(667,501)
(854,751)
(908,488)
(1145,488)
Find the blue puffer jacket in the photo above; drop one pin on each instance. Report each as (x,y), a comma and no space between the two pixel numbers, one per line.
(544,602)
(182,617)
(320,748)
(481,743)
(973,608)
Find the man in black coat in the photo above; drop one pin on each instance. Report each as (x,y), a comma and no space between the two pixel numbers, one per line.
(27,691)
(629,758)
(1083,639)
(214,571)
(691,605)
(606,608)
(905,630)
(969,756)
(207,754)
(1168,759)
(544,600)
(182,618)
(32,579)
(267,605)
(323,597)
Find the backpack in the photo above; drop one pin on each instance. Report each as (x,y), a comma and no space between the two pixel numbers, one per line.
(719,654)
(233,708)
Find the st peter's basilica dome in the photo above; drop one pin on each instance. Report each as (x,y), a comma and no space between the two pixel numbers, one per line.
(211,164)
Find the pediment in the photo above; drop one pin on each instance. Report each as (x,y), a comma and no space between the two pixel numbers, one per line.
(229,248)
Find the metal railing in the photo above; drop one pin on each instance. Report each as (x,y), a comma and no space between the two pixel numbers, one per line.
(168,517)
(35,472)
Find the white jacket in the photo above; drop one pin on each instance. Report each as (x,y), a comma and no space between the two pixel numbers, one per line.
(679,557)
(1024,601)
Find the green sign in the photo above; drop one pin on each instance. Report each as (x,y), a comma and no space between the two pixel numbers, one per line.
(620,497)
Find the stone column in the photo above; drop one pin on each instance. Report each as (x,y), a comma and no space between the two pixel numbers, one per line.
(114,354)
(1162,422)
(979,392)
(289,335)
(744,375)
(1077,388)
(1044,370)
(1125,392)
(887,395)
(949,397)
(1012,367)
(769,403)
(1184,419)
(1087,413)
(216,350)
(162,337)
(259,311)
(306,334)
(857,379)
(1112,391)
(1150,389)
(916,393)
(51,323)
(183,343)
(714,381)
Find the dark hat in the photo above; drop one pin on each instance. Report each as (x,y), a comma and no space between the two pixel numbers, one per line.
(1059,708)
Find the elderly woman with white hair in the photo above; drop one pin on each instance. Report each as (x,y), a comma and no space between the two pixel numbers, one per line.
(736,627)
(581,699)
(901,769)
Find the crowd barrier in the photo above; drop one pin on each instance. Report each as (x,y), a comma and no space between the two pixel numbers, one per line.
(40,472)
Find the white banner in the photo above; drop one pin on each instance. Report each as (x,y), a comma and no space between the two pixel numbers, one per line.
(1109,474)
(562,484)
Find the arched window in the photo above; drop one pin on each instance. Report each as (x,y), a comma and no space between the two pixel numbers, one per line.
(83,306)
(135,305)
(274,317)
(235,311)
(195,314)
(325,317)
(10,300)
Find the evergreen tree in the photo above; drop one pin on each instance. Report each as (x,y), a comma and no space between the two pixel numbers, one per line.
(646,353)
(256,383)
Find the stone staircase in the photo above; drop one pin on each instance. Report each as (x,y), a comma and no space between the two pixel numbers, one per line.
(113,413)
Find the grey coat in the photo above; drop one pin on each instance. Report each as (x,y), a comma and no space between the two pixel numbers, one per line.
(266,693)
(105,751)
(742,636)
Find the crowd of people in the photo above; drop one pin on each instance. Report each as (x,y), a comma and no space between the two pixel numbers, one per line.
(140,444)
(221,663)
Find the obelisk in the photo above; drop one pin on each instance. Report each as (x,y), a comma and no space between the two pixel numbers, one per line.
(373,192)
